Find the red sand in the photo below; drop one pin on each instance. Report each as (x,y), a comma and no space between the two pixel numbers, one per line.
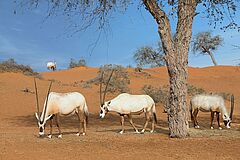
(18,127)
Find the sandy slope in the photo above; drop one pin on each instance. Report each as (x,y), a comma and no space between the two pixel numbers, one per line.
(18,129)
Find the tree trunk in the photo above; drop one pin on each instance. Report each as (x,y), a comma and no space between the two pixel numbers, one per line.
(176,54)
(212,57)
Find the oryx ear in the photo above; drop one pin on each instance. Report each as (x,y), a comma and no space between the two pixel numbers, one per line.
(36,115)
(48,117)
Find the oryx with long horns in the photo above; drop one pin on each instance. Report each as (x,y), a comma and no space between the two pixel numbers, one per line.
(127,104)
(213,104)
(61,104)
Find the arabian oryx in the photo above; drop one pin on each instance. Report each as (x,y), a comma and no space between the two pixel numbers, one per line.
(127,104)
(213,104)
(61,104)
(52,65)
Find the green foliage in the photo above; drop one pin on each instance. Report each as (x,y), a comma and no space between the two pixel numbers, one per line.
(73,63)
(147,56)
(11,65)
(205,42)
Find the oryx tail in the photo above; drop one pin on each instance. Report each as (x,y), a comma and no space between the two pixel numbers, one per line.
(190,110)
(86,113)
(154,113)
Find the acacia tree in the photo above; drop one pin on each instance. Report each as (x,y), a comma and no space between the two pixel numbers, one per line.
(176,50)
(205,43)
(148,56)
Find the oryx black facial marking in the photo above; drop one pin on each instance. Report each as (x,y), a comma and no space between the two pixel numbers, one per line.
(74,104)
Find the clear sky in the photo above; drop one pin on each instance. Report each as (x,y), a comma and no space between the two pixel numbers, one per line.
(30,40)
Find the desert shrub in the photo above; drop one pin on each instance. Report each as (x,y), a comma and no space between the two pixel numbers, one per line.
(73,63)
(193,90)
(120,78)
(158,94)
(138,69)
(11,65)
(129,66)
(226,96)
(119,81)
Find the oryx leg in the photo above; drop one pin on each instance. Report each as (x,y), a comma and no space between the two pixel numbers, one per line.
(58,125)
(153,124)
(82,123)
(147,117)
(79,127)
(131,122)
(212,118)
(122,123)
(51,124)
(219,126)
(195,112)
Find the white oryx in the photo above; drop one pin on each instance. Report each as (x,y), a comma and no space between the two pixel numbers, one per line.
(127,104)
(52,65)
(61,104)
(213,104)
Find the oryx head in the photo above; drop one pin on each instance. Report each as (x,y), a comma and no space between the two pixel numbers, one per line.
(104,109)
(228,119)
(104,105)
(41,119)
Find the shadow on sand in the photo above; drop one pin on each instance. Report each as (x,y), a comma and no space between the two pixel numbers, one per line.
(111,123)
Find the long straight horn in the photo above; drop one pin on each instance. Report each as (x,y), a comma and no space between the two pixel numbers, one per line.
(100,88)
(36,93)
(47,100)
(105,91)
(232,106)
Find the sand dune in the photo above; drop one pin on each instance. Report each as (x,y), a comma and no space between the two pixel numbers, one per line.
(18,129)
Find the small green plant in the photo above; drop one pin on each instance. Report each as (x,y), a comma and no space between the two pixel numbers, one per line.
(11,65)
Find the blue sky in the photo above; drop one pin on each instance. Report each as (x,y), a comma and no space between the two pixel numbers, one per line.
(30,40)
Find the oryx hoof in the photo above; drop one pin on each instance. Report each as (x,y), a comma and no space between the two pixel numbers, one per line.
(151,131)
(49,136)
(137,132)
(78,134)
(211,127)
(83,134)
(60,136)
(197,127)
(220,128)
(142,131)
(121,132)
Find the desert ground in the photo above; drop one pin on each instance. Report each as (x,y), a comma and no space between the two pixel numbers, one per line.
(19,132)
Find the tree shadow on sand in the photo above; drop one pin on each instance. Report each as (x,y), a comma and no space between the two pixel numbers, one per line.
(111,123)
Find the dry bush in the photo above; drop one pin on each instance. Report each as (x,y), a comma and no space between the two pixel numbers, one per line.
(11,66)
(226,96)
(159,95)
(193,90)
(138,69)
(119,81)
(81,63)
